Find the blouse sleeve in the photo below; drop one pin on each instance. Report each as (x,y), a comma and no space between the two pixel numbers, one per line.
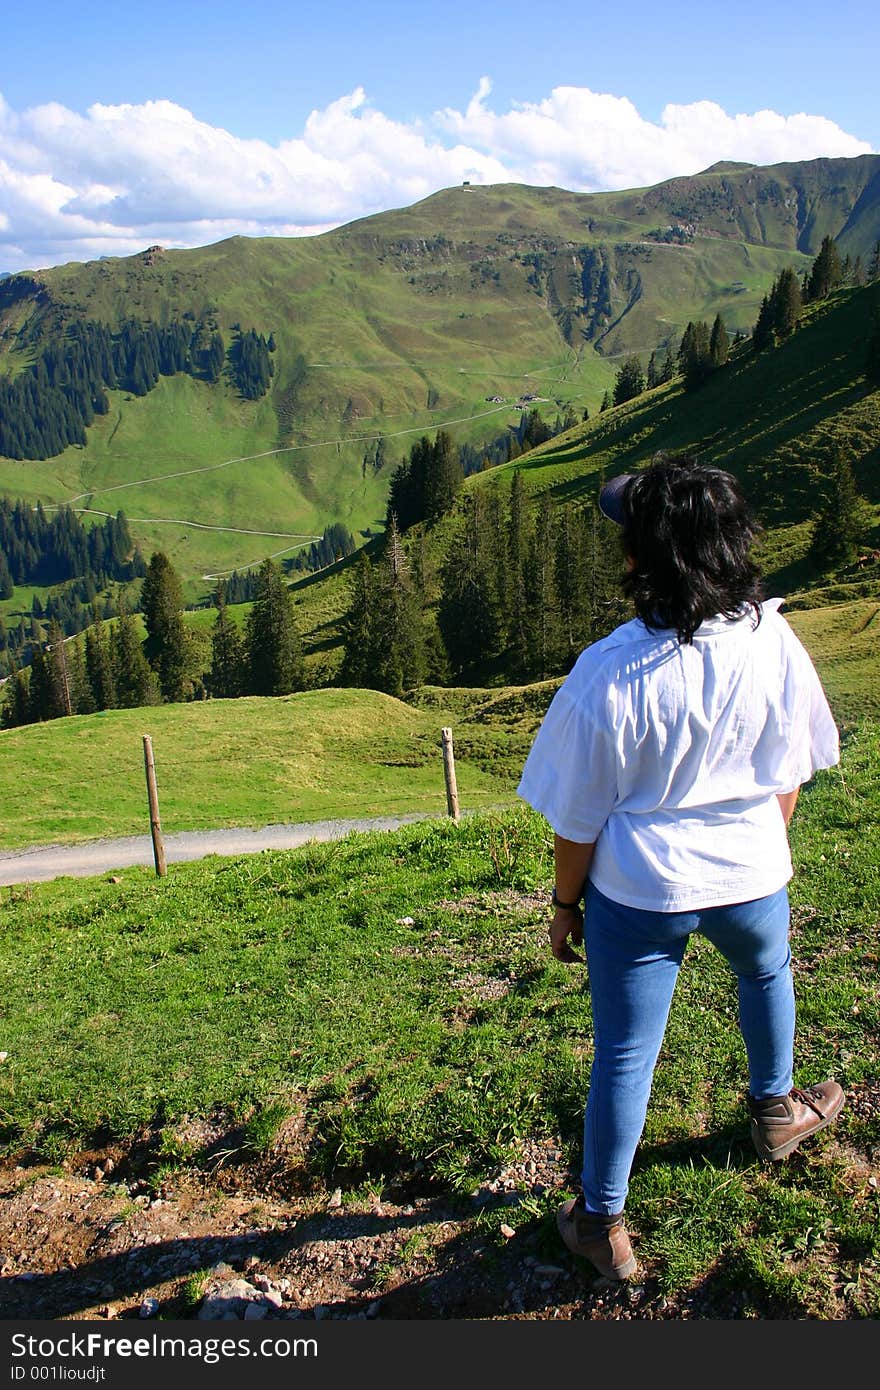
(813,738)
(570,775)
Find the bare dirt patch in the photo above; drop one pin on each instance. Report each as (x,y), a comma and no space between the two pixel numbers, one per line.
(83,1242)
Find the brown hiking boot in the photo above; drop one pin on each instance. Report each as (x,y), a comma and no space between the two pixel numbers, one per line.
(600,1239)
(779,1123)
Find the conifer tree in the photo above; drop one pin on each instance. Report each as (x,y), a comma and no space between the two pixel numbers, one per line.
(469,611)
(827,271)
(571,582)
(546,643)
(397,636)
(695,355)
(166,646)
(99,667)
(514,592)
(785,303)
(629,382)
(44,697)
(872,356)
(272,639)
(134,679)
(16,706)
(719,346)
(841,518)
(357,625)
(227,678)
(59,669)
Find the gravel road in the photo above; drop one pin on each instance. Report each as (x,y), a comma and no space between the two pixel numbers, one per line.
(44,862)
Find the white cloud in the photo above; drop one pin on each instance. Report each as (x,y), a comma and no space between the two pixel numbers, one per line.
(112,181)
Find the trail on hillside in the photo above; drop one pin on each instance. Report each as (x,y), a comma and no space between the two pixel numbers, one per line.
(270,453)
(41,863)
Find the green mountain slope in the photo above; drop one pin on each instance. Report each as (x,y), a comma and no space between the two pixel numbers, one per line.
(398,324)
(770,418)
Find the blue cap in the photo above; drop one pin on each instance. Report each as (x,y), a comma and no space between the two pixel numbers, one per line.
(611,497)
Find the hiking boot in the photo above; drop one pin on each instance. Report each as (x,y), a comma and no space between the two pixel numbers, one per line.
(779,1123)
(600,1239)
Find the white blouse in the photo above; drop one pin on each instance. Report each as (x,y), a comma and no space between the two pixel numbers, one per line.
(670,756)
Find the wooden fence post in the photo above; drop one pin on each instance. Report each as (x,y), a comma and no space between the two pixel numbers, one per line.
(155,827)
(449,770)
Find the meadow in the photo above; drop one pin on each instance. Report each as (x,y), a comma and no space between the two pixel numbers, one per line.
(393,998)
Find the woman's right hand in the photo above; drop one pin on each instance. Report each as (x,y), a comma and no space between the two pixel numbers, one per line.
(567,923)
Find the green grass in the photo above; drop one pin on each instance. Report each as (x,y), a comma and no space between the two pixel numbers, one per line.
(251,988)
(318,755)
(325,753)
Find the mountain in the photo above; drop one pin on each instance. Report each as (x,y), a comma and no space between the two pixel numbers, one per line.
(395,325)
(774,418)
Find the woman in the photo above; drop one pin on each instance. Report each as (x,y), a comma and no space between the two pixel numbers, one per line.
(668,765)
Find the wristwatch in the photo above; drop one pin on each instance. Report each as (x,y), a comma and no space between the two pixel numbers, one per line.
(557,902)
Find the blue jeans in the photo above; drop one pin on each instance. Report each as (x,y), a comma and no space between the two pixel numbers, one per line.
(633,959)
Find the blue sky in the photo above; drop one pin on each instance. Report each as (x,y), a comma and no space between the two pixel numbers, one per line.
(186,122)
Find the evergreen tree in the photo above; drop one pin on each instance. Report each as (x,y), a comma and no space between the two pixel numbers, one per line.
(872,356)
(16,706)
(58,669)
(469,612)
(827,271)
(695,355)
(606,402)
(45,699)
(629,382)
(719,346)
(762,333)
(166,646)
(545,639)
(272,639)
(841,518)
(99,667)
(514,591)
(873,271)
(571,582)
(785,303)
(358,626)
(133,678)
(228,668)
(398,654)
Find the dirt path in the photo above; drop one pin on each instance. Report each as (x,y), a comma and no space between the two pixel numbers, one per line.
(44,862)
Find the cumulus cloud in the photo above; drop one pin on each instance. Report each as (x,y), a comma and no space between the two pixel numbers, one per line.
(74,187)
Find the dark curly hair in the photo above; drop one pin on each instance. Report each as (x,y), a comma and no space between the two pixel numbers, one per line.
(688,532)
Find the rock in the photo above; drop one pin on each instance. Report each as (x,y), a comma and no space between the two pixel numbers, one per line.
(335,1200)
(149,1308)
(507,1232)
(274,1298)
(549,1269)
(254,1311)
(406,921)
(225,1299)
(115,878)
(373,1309)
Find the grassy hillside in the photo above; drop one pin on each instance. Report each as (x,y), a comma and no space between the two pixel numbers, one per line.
(329,753)
(389,1005)
(314,756)
(405,321)
(769,418)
